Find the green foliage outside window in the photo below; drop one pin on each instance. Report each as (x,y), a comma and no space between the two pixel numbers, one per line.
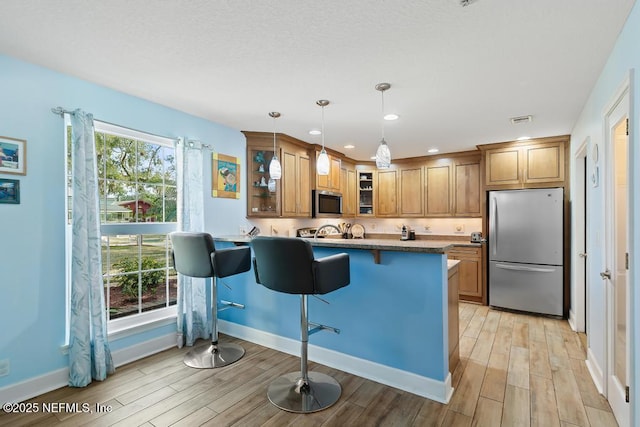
(148,279)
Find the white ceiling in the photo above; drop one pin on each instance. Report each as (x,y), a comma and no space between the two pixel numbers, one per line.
(457,73)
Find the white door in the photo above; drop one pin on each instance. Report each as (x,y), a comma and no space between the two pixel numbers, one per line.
(617,250)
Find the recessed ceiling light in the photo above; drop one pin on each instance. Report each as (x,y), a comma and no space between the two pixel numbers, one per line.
(391,117)
(314,132)
(373,157)
(432,150)
(349,146)
(524,138)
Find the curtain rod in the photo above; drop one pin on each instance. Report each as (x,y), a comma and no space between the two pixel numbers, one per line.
(191,143)
(62,111)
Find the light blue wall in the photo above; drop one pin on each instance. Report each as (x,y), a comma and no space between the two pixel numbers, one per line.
(624,57)
(32,288)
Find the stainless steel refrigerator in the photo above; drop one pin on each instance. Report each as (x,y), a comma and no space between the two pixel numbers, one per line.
(526,250)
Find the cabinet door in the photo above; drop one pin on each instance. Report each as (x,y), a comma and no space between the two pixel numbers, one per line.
(334,174)
(304,186)
(330,182)
(467,186)
(386,193)
(470,285)
(438,190)
(504,166)
(411,192)
(348,190)
(289,184)
(261,201)
(544,163)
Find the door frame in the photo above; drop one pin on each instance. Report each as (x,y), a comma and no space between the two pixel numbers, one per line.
(621,409)
(578,312)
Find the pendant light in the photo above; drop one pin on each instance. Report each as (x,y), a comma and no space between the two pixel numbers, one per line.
(383,155)
(275,170)
(322,164)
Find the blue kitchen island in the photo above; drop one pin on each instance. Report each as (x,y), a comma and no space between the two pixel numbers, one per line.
(393,317)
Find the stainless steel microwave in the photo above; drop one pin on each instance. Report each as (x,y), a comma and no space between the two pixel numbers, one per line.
(326,204)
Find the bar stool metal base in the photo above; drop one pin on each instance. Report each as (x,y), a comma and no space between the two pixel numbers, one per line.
(213,355)
(287,392)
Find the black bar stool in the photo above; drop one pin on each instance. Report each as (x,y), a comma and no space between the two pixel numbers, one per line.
(288,265)
(195,255)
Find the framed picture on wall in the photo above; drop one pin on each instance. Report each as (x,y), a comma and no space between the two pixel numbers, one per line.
(13,155)
(225,176)
(9,191)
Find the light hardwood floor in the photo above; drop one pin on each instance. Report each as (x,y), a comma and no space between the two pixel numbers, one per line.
(515,370)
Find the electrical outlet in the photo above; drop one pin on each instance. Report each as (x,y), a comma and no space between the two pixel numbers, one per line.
(4,367)
(459,228)
(243,229)
(274,231)
(373,226)
(427,228)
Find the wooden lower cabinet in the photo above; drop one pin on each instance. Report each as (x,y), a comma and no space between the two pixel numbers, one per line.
(471,282)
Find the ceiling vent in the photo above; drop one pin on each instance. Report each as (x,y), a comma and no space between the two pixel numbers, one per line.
(521,119)
(464,3)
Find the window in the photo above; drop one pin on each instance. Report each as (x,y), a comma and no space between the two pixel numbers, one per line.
(137,202)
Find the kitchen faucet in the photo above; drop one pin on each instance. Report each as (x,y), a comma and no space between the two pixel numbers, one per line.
(315,235)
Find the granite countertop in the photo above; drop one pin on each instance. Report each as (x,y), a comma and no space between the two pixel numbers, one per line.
(423,246)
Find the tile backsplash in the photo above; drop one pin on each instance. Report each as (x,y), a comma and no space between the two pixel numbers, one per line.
(422,226)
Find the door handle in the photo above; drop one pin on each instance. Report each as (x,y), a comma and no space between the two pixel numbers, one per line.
(606,275)
(522,268)
(582,254)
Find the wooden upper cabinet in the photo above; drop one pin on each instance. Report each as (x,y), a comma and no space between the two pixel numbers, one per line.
(438,188)
(518,164)
(296,185)
(544,163)
(467,189)
(386,188)
(411,191)
(348,188)
(504,166)
(329,182)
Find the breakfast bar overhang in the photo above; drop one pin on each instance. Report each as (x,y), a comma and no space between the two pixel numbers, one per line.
(393,317)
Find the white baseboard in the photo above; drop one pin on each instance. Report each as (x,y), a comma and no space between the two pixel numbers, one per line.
(36,386)
(143,349)
(595,371)
(572,320)
(439,391)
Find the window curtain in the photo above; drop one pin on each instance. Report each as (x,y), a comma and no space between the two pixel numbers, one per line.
(193,317)
(89,354)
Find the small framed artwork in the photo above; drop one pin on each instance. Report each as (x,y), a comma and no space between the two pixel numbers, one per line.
(9,191)
(225,176)
(13,155)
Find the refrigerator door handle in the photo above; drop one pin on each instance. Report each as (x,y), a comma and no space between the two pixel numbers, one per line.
(494,225)
(521,268)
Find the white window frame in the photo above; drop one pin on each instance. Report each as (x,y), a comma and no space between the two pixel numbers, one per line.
(136,323)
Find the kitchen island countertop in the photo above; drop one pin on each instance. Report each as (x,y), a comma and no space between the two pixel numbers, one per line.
(423,246)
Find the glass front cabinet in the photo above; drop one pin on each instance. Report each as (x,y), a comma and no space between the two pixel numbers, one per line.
(263,193)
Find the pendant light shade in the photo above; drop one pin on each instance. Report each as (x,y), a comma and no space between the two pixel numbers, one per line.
(322,164)
(275,170)
(383,154)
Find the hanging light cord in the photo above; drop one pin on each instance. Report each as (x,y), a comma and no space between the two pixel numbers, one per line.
(382,117)
(274,136)
(322,127)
